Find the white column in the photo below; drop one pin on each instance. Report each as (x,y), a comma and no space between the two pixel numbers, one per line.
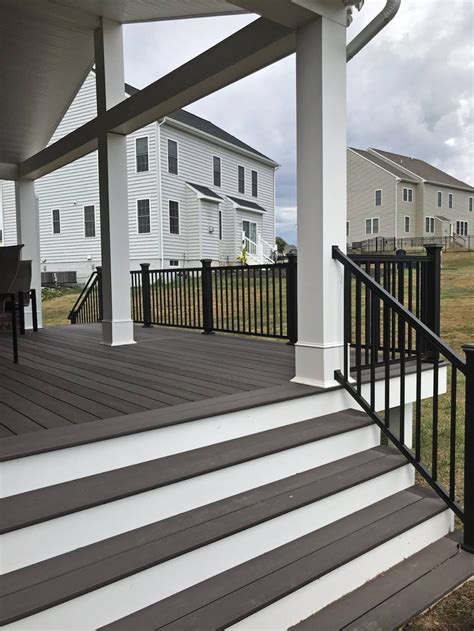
(117,325)
(321,198)
(27,222)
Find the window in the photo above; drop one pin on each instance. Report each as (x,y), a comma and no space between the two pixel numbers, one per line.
(174,263)
(378,197)
(89,221)
(220,224)
(56,221)
(462,228)
(348,228)
(450,200)
(249,229)
(216,165)
(440,199)
(254,184)
(141,154)
(407,224)
(408,195)
(470,204)
(372,225)
(241,177)
(143,216)
(174,217)
(173,157)
(429,225)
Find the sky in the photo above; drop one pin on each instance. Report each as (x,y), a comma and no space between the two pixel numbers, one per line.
(410,91)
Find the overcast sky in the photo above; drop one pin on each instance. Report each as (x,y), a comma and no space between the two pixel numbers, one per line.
(411,90)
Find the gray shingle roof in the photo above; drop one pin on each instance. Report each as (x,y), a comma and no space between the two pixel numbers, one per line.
(201,124)
(205,190)
(385,165)
(442,218)
(245,203)
(424,170)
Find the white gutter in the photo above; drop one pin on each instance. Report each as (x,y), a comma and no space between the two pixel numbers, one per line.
(373,28)
(159,190)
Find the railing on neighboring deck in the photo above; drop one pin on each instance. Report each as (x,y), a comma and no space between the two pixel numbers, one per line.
(378,331)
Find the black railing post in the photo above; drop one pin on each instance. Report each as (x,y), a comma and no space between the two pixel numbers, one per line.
(207,308)
(99,293)
(432,302)
(291,299)
(468,543)
(146,295)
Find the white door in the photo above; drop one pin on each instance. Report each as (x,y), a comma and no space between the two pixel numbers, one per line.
(249,228)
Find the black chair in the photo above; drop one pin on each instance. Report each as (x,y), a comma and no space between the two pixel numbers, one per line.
(9,266)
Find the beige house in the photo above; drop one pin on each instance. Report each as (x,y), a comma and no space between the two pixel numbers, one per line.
(390,195)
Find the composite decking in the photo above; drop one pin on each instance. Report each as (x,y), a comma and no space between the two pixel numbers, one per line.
(66,377)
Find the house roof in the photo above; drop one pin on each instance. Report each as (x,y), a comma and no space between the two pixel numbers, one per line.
(203,125)
(244,203)
(424,170)
(442,218)
(204,190)
(385,165)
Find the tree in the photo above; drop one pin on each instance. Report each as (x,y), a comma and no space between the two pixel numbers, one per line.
(280,244)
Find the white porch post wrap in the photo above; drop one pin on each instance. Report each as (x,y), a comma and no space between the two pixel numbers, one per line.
(117,325)
(321,198)
(27,222)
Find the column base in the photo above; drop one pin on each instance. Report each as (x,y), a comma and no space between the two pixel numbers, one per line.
(117,332)
(315,363)
(29,320)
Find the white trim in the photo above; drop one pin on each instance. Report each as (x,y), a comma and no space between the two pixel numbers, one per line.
(450,201)
(159,191)
(405,217)
(378,190)
(220,170)
(143,199)
(147,136)
(438,193)
(252,171)
(430,217)
(84,206)
(348,228)
(371,219)
(55,234)
(408,189)
(168,140)
(169,218)
(320,344)
(240,166)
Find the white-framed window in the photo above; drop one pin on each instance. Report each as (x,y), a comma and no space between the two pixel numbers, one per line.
(216,170)
(429,225)
(241,179)
(56,219)
(470,205)
(254,184)
(462,228)
(219,216)
(141,154)
(249,228)
(143,216)
(172,156)
(406,223)
(372,225)
(378,197)
(440,199)
(174,216)
(348,228)
(174,263)
(89,221)
(450,200)
(408,195)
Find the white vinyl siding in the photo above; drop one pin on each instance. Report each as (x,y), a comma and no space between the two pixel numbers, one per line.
(89,221)
(56,219)
(143,216)
(378,197)
(141,154)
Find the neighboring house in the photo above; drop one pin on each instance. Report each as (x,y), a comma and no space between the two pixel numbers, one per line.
(190,200)
(390,195)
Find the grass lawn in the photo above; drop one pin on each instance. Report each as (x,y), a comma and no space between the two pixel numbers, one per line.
(55,310)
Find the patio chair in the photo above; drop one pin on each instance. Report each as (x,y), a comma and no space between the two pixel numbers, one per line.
(22,289)
(9,266)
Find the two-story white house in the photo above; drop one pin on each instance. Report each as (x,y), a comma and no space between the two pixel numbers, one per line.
(391,195)
(194,190)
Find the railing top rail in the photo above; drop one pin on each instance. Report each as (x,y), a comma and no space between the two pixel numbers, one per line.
(390,258)
(411,319)
(82,296)
(268,265)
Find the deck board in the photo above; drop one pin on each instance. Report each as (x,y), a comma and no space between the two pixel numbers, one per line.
(66,377)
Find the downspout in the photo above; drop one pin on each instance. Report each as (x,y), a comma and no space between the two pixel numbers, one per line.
(159,190)
(373,28)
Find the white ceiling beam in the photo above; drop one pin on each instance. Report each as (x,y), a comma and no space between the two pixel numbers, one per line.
(280,11)
(8,171)
(257,45)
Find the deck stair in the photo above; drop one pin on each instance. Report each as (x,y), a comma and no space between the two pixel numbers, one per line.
(256,532)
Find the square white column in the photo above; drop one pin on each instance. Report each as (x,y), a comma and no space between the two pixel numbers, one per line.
(27,222)
(321,198)
(117,325)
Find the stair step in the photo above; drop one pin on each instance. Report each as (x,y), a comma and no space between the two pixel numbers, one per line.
(43,585)
(392,599)
(232,596)
(33,507)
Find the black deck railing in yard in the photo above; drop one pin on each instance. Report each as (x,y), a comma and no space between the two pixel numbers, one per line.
(378,330)
(88,306)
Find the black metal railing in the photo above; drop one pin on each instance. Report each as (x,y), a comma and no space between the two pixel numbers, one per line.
(455,242)
(377,328)
(88,306)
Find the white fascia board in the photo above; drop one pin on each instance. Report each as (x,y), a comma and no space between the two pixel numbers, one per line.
(247,208)
(200,195)
(356,153)
(218,141)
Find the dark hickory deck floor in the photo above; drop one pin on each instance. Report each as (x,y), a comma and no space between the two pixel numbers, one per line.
(66,377)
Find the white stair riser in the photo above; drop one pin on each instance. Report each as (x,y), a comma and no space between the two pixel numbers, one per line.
(36,543)
(135,592)
(316,595)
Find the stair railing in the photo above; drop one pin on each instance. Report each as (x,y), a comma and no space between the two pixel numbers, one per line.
(391,324)
(88,306)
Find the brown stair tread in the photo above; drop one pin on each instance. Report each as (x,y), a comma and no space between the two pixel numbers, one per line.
(392,599)
(231,596)
(42,585)
(25,509)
